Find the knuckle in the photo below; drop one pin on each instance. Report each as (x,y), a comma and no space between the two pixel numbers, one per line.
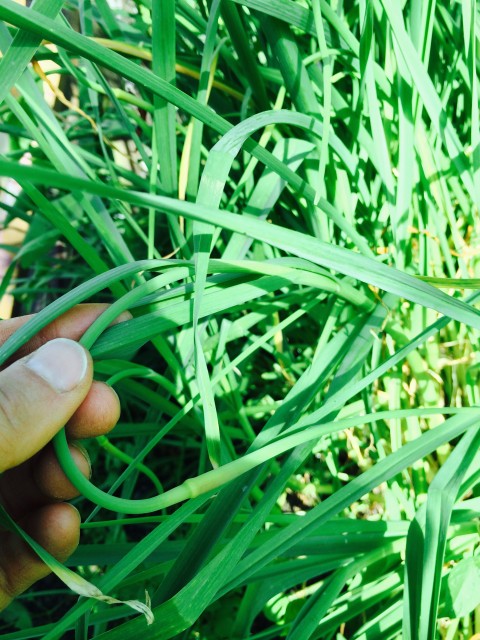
(8,415)
(9,423)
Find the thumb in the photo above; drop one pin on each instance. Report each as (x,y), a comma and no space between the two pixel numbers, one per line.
(38,395)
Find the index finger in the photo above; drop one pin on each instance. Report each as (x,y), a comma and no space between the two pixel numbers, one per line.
(71,324)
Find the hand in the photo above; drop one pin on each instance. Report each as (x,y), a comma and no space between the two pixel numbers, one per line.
(49,385)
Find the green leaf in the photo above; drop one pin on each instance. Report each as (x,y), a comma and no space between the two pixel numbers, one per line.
(462,588)
(299,244)
(75,582)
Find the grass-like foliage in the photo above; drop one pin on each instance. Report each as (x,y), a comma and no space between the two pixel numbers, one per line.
(282,193)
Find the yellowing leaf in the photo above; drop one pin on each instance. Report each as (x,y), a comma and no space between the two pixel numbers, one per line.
(73,581)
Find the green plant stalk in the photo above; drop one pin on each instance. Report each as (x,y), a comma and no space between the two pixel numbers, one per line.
(154,398)
(163,66)
(105,320)
(208,63)
(194,487)
(248,61)
(327,92)
(110,448)
(299,88)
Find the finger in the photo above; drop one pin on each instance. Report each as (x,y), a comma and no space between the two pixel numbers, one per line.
(97,414)
(38,395)
(50,478)
(40,480)
(72,324)
(56,528)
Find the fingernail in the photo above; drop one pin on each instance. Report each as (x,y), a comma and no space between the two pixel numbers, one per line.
(61,363)
(75,509)
(75,445)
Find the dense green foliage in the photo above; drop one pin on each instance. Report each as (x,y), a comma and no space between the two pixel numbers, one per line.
(283,195)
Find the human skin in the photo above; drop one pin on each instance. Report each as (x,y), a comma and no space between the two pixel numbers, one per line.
(39,394)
